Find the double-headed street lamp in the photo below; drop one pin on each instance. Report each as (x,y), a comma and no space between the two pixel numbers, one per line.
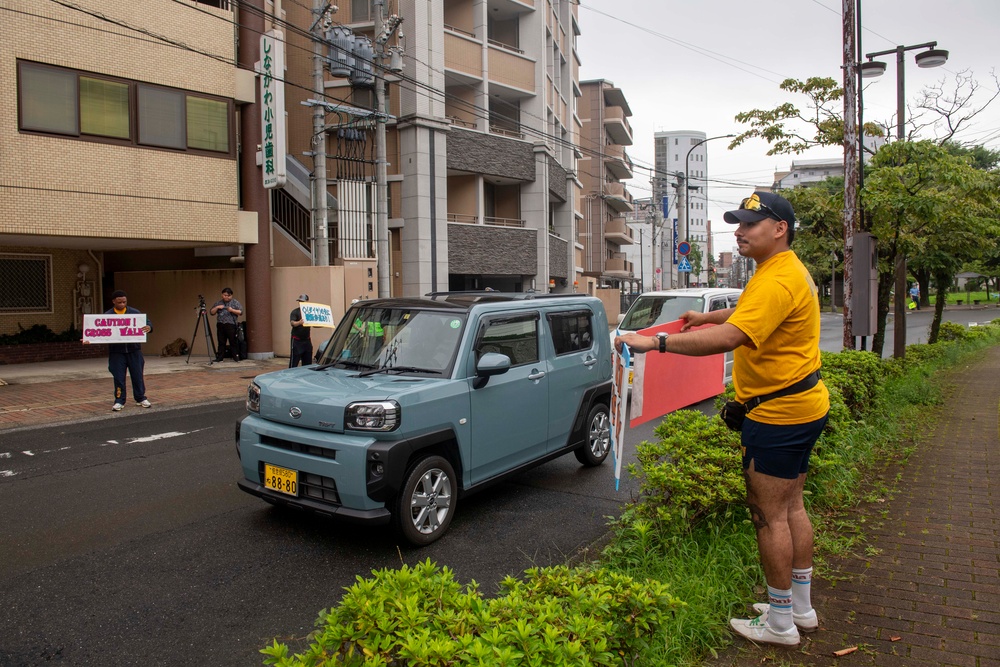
(932,57)
(687,199)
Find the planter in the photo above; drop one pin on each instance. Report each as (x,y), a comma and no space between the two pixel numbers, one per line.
(32,353)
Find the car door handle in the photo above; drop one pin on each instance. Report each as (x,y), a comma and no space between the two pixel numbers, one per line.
(590,361)
(537,376)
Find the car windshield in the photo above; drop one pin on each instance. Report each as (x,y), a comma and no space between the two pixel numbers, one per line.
(650,310)
(406,339)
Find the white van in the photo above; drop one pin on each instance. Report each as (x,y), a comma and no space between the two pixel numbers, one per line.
(653,308)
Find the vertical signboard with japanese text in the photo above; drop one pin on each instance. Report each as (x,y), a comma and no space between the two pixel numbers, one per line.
(272,108)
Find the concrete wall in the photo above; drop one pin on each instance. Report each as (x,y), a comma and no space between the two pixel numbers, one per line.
(170,299)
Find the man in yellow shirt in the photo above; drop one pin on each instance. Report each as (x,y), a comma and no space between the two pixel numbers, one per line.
(774,331)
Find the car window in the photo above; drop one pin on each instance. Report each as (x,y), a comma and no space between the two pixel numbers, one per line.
(517,337)
(572,331)
(718,304)
(650,310)
(733,300)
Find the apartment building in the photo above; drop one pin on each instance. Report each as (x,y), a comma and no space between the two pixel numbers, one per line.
(119,150)
(481,141)
(605,233)
(679,152)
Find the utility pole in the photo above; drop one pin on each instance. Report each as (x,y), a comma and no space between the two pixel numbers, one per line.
(320,212)
(681,186)
(850,168)
(386,27)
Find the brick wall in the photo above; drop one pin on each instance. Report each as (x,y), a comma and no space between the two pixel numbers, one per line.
(37,352)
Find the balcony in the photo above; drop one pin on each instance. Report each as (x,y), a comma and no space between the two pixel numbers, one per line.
(463,53)
(618,267)
(618,232)
(617,126)
(511,69)
(618,198)
(618,163)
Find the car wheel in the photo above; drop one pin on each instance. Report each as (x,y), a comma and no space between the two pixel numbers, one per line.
(426,504)
(595,450)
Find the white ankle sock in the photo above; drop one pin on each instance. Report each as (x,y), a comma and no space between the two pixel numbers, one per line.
(779,615)
(801,585)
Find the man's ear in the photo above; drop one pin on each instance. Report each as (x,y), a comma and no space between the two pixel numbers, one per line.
(781,229)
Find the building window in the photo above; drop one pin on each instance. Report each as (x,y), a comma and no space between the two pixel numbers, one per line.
(65,102)
(361,10)
(27,281)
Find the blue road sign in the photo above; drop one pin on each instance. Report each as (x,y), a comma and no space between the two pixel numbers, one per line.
(684,266)
(683,248)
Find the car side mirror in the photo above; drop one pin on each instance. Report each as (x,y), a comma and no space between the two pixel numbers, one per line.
(490,364)
(621,317)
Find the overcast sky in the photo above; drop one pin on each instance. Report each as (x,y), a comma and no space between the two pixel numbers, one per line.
(695,64)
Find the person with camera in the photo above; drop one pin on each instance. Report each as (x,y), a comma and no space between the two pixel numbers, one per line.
(783,405)
(227,311)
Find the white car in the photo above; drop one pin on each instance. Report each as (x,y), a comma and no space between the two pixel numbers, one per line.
(653,308)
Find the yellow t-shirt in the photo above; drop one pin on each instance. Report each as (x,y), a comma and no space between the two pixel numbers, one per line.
(779,312)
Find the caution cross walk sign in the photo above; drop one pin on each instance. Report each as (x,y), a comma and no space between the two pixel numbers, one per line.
(684,265)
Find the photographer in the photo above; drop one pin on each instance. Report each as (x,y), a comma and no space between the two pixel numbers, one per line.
(227,311)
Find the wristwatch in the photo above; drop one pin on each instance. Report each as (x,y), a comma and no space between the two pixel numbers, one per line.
(662,336)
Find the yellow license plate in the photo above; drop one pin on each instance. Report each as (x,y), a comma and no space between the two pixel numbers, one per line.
(281,480)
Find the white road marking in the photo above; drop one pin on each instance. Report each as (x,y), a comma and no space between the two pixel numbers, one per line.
(28,452)
(7,473)
(4,455)
(162,436)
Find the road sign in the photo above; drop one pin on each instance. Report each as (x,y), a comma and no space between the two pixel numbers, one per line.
(683,248)
(684,266)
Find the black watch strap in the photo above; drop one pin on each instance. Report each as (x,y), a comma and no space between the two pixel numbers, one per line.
(663,342)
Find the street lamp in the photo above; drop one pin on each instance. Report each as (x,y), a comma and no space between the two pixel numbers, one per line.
(932,57)
(687,200)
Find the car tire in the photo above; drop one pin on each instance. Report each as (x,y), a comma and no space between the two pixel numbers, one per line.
(598,444)
(426,505)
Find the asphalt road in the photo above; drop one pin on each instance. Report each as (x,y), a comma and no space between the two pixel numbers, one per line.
(128,542)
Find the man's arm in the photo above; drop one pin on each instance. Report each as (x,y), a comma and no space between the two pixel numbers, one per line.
(703,342)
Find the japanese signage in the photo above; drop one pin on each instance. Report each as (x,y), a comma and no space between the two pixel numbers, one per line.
(272,107)
(112,328)
(316,314)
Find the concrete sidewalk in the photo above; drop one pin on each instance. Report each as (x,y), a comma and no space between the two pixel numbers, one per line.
(52,392)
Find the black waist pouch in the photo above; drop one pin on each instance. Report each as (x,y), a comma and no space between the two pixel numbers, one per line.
(734,412)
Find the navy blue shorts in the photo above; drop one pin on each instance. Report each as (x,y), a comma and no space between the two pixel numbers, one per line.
(780,450)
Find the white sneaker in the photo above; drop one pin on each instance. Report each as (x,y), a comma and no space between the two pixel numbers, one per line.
(117,407)
(804,622)
(145,403)
(757,631)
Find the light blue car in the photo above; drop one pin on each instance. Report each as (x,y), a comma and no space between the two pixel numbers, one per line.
(417,402)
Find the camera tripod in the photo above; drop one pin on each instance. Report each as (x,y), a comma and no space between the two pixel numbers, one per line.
(207,331)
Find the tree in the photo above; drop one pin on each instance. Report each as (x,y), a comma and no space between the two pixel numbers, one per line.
(695,258)
(932,206)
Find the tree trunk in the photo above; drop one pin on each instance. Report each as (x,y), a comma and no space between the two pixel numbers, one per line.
(923,277)
(885,282)
(942,280)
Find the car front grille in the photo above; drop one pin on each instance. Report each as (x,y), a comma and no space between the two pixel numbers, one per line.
(298,447)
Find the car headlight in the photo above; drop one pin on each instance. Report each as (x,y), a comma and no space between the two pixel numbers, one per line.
(372,416)
(253,398)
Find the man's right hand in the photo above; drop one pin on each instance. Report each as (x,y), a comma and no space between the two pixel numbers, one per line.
(693,318)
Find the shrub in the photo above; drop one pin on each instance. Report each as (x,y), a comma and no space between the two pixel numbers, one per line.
(952,331)
(422,617)
(692,471)
(857,375)
(39,333)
